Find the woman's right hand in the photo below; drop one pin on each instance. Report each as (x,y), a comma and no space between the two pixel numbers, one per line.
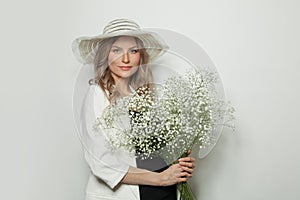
(173,175)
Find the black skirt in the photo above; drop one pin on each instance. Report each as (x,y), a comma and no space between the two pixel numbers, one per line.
(148,192)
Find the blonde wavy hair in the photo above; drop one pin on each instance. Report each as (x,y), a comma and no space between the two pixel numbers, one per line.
(103,77)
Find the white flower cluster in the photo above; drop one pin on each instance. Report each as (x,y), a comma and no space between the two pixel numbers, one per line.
(166,120)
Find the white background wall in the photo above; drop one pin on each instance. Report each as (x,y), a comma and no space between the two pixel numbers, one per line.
(254,44)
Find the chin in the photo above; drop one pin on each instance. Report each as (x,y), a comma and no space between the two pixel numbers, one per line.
(127,74)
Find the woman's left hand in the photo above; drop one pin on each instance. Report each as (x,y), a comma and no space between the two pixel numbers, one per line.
(187,163)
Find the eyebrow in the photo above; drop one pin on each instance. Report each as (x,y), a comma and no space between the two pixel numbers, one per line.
(121,47)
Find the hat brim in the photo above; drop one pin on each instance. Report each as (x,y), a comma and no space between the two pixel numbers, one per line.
(85,48)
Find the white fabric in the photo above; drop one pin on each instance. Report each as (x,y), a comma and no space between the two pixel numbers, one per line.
(108,168)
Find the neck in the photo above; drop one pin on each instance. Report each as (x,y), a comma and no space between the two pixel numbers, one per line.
(122,85)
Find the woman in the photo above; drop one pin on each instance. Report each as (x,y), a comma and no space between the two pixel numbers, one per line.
(120,56)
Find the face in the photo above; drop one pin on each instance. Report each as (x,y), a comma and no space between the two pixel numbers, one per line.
(123,57)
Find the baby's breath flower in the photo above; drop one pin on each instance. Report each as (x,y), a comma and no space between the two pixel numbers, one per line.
(167,120)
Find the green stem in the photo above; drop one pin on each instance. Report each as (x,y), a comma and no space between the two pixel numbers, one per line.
(185,191)
(184,188)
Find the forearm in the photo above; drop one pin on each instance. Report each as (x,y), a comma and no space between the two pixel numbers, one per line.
(136,176)
(176,173)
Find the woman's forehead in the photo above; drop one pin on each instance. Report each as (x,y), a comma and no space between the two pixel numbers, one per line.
(125,41)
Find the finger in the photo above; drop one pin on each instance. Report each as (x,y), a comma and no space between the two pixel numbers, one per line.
(187,159)
(187,169)
(187,164)
(189,152)
(179,180)
(185,175)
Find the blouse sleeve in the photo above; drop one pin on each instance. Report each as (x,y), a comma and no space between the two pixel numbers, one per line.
(104,163)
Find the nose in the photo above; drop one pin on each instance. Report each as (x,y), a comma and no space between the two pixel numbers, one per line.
(125,58)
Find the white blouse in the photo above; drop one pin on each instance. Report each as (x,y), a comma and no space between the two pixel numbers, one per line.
(107,167)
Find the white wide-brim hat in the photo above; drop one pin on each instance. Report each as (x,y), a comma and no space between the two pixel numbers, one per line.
(85,48)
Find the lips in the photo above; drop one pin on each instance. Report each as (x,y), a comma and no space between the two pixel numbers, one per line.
(125,68)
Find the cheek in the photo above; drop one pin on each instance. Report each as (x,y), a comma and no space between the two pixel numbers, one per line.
(136,60)
(111,58)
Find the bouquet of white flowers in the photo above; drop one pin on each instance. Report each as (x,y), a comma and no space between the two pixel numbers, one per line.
(168,119)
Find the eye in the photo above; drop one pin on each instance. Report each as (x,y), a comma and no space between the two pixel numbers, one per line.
(133,51)
(116,51)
